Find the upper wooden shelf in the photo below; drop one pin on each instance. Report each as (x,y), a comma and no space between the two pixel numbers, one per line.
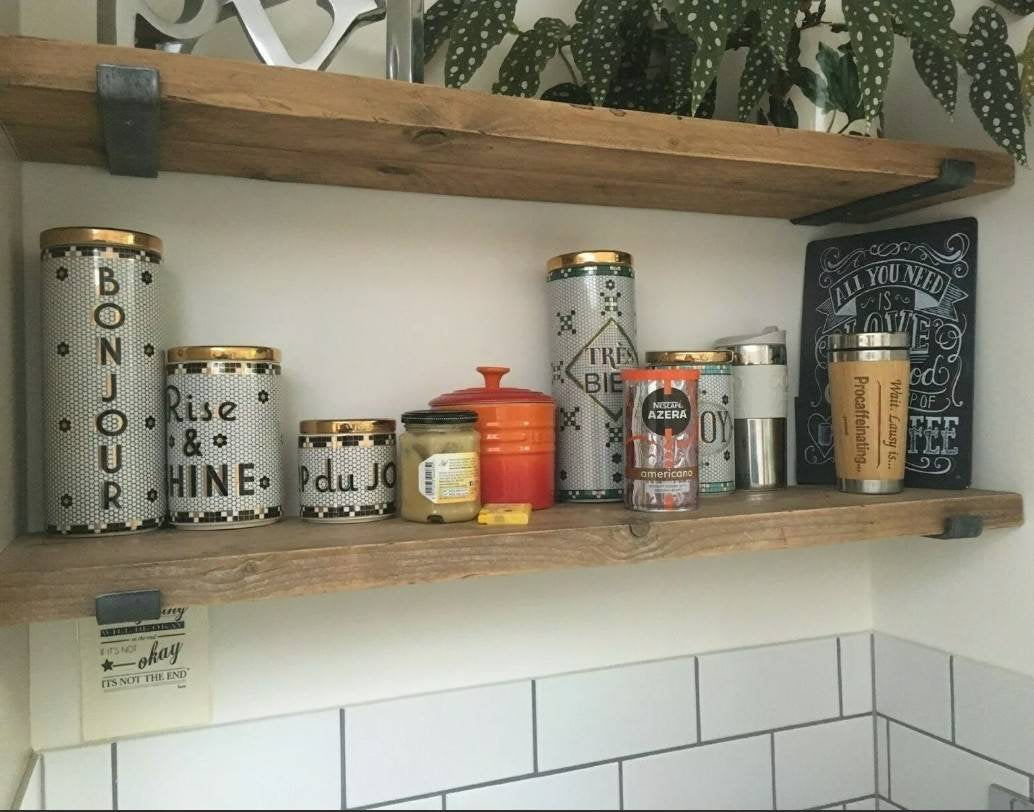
(43,578)
(240,119)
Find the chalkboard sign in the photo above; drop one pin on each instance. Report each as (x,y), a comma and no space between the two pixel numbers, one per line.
(919,280)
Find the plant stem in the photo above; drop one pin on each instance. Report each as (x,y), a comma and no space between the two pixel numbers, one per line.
(570,67)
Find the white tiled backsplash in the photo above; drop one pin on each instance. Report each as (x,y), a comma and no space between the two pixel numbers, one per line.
(790,726)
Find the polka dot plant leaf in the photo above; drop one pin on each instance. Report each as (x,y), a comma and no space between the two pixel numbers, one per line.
(994,92)
(596,44)
(929,21)
(1027,79)
(477,28)
(777,19)
(939,72)
(681,50)
(521,71)
(1018,6)
(708,23)
(872,38)
(758,73)
(438,21)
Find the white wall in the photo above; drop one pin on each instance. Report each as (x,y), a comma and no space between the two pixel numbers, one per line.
(14,642)
(976,598)
(434,287)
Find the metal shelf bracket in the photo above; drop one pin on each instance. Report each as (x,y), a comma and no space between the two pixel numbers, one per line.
(961,527)
(128,607)
(954,175)
(128,100)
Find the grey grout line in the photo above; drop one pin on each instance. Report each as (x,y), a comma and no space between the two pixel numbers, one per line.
(1031,793)
(974,753)
(635,756)
(696,690)
(890,791)
(443,802)
(775,804)
(344,787)
(843,804)
(875,719)
(43,783)
(840,678)
(534,729)
(621,785)
(114,776)
(951,687)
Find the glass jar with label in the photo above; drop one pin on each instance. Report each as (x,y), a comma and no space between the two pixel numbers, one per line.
(440,475)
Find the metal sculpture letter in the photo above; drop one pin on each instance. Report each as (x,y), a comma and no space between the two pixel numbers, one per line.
(135,23)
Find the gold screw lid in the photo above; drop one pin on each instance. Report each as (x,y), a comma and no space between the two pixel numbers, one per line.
(179,355)
(350,425)
(689,357)
(603,257)
(88,235)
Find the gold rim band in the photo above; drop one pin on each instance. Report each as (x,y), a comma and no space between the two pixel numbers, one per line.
(588,258)
(690,357)
(114,237)
(179,355)
(348,426)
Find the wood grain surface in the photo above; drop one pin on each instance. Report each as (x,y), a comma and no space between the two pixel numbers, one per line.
(240,119)
(44,578)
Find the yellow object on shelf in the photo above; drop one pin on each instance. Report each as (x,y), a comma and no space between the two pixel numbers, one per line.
(516,513)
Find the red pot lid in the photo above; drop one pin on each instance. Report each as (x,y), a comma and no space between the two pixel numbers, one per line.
(491,392)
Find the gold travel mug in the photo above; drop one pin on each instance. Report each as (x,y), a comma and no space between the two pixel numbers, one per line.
(868,386)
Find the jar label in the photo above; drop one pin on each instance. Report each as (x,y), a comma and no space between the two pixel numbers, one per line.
(448,478)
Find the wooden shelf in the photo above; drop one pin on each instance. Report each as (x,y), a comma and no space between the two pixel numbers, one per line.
(239,119)
(43,578)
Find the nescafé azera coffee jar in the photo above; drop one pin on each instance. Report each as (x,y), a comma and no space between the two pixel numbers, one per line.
(223,434)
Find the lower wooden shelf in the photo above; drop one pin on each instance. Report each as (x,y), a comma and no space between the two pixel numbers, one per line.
(47,578)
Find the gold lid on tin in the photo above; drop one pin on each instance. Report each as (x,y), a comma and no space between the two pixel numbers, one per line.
(604,257)
(364,425)
(86,235)
(689,357)
(178,355)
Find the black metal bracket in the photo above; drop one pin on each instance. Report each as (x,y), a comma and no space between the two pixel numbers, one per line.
(954,175)
(961,527)
(128,607)
(128,100)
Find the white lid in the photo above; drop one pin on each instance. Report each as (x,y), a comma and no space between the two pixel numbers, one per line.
(770,335)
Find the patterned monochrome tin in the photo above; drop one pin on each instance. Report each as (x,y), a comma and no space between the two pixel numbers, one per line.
(102,381)
(593,327)
(346,470)
(223,419)
(662,438)
(717,449)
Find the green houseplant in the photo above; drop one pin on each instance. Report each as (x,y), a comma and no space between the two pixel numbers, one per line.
(664,56)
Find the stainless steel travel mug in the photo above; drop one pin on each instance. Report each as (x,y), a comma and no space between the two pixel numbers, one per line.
(759,408)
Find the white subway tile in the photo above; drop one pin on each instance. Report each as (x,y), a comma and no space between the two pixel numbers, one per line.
(769,687)
(928,774)
(431,802)
(597,715)
(856,673)
(824,763)
(729,775)
(593,788)
(883,757)
(31,798)
(867,803)
(79,778)
(292,762)
(994,712)
(913,685)
(414,746)
(883,803)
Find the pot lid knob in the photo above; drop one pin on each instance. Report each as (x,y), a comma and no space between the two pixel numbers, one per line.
(493,375)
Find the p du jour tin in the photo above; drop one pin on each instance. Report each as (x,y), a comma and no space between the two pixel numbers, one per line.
(346,470)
